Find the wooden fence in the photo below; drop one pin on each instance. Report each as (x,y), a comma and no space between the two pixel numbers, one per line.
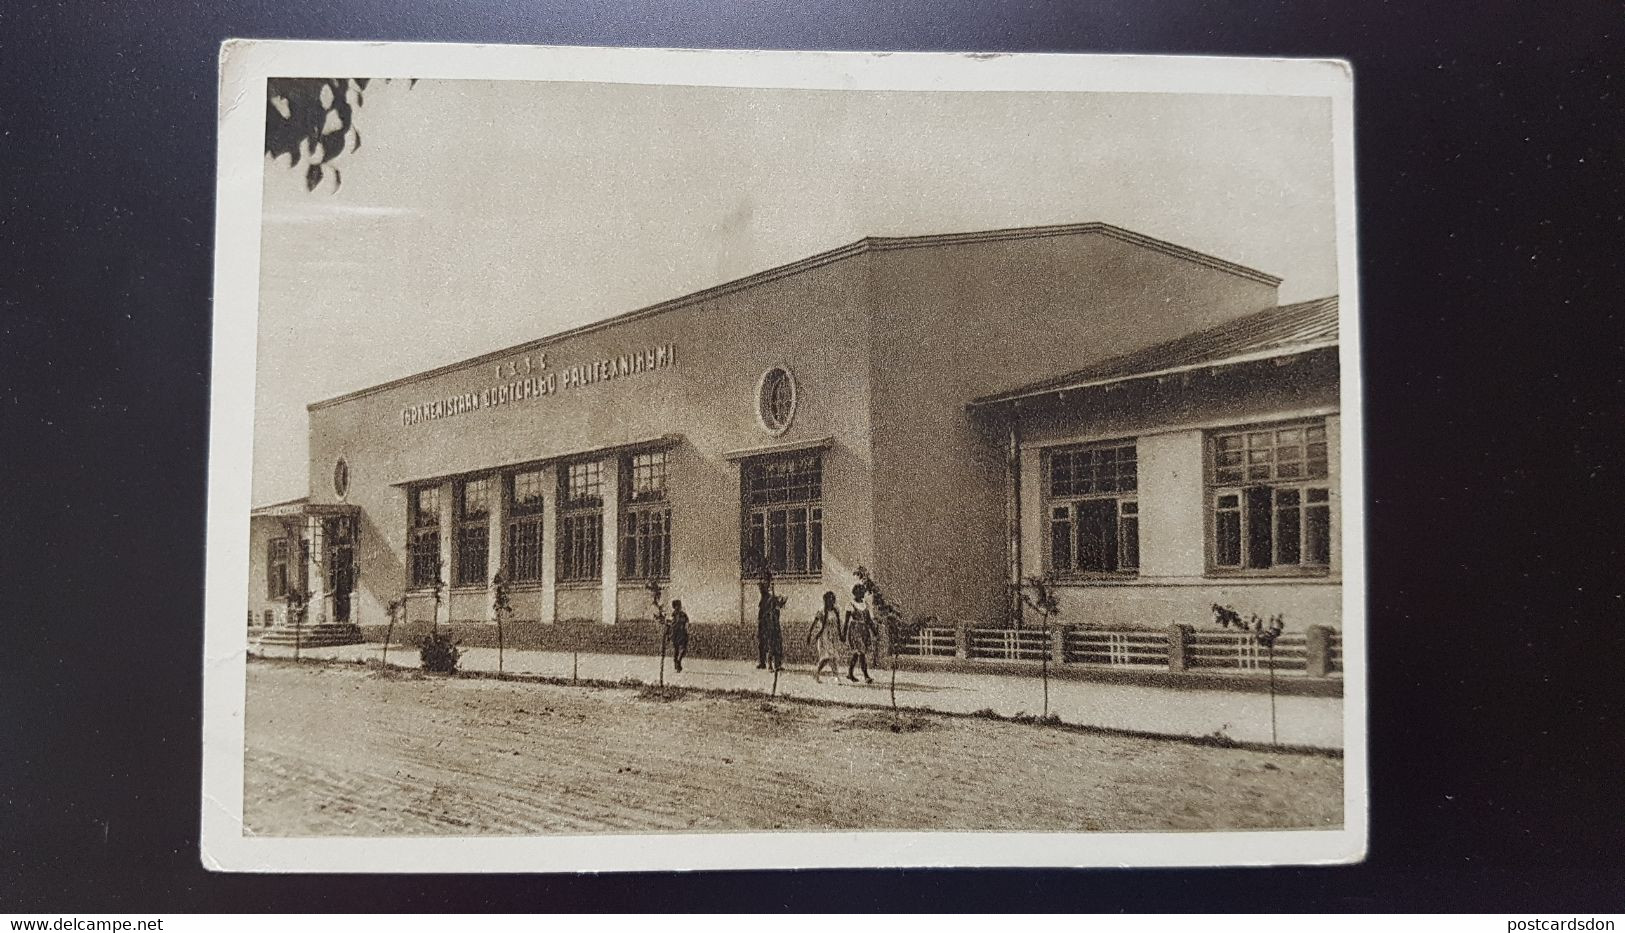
(1315,653)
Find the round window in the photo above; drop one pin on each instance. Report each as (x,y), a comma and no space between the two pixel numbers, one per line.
(341,478)
(776,400)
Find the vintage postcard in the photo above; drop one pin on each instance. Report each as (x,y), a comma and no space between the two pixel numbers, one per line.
(665,459)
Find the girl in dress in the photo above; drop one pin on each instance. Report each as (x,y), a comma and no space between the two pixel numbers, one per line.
(824,636)
(859,635)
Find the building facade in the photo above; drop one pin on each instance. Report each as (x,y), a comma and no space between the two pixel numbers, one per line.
(954,412)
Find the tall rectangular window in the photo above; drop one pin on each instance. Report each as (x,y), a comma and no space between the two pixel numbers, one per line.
(581,523)
(525,497)
(1091,497)
(276,568)
(645,542)
(423,536)
(783,514)
(1270,498)
(473,532)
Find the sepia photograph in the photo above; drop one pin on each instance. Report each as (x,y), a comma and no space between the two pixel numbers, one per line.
(640,458)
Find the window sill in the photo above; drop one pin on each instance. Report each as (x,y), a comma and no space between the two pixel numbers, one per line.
(788,578)
(640,583)
(579,585)
(1267,575)
(1100,579)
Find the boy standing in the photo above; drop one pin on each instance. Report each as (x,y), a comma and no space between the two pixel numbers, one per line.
(679,635)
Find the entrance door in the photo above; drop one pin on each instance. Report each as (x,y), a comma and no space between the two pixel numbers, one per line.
(339,535)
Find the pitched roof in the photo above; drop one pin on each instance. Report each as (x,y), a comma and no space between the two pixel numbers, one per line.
(869,244)
(1280,331)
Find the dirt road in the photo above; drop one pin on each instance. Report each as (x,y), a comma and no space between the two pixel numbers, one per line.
(348,751)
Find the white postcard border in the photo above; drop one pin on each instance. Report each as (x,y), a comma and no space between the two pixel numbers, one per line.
(245,65)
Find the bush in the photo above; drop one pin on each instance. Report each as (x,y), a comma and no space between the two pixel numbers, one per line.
(439,653)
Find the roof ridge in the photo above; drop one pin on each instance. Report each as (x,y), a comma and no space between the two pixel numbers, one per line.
(856,247)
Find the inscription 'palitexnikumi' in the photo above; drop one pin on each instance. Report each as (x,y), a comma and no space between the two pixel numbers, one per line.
(542,384)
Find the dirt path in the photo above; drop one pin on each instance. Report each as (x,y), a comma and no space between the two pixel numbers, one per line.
(346,751)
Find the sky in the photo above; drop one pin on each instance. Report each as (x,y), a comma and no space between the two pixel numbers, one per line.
(477,215)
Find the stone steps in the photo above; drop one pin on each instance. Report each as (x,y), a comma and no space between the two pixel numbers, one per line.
(313,636)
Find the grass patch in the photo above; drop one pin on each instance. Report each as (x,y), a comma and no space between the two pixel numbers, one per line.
(886,722)
(659,694)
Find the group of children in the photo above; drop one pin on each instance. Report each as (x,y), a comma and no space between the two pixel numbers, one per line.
(833,635)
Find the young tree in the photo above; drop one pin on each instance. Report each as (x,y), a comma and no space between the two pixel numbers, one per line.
(396,607)
(436,589)
(298,603)
(657,598)
(892,621)
(1039,595)
(501,606)
(1263,633)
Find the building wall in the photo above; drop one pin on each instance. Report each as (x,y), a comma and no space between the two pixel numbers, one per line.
(260,532)
(1022,310)
(1169,421)
(814,322)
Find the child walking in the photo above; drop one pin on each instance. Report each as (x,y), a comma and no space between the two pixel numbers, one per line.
(825,638)
(859,635)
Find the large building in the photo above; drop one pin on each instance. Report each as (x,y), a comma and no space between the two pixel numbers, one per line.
(1141,422)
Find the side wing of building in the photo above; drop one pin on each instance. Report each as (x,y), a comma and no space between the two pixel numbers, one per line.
(965,317)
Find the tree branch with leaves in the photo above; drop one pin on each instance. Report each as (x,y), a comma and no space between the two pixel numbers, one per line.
(312,122)
(1264,633)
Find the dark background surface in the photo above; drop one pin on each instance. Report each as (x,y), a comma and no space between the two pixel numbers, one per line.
(1488,137)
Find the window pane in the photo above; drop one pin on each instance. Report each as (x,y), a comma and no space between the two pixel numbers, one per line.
(476,498)
(1283,453)
(783,479)
(798,542)
(1128,548)
(583,484)
(1227,536)
(777,539)
(525,549)
(645,476)
(472,544)
(1060,475)
(426,510)
(1060,540)
(526,492)
(1260,524)
(1287,530)
(815,560)
(1097,535)
(1317,535)
(1317,460)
